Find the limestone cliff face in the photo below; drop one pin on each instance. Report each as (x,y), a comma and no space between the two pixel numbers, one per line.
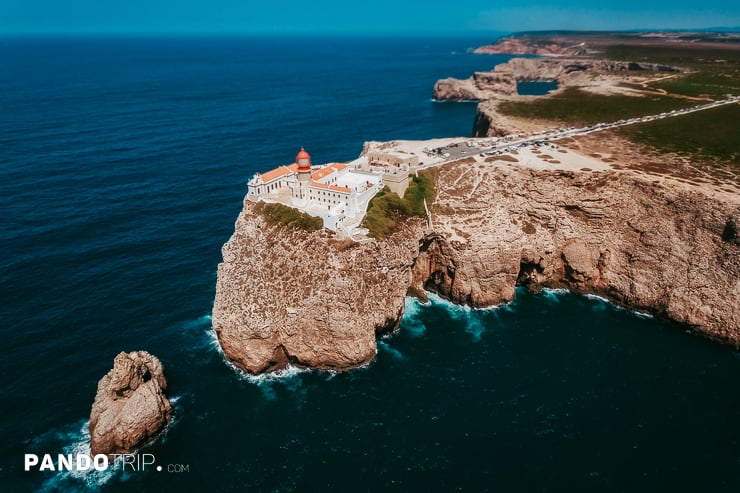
(131,406)
(286,296)
(650,245)
(502,80)
(527,46)
(667,248)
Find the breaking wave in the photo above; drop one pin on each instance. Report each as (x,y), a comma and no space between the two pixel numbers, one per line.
(74,441)
(412,322)
(471,318)
(553,294)
(604,302)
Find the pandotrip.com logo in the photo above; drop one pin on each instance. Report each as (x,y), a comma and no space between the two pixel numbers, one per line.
(100,462)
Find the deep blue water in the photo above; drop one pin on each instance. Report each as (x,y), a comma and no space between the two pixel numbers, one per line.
(124,163)
(535,87)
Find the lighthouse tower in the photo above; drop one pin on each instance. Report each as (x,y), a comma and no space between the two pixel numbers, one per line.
(300,193)
(303,160)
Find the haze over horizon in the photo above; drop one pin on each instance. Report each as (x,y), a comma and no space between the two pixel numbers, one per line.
(380,17)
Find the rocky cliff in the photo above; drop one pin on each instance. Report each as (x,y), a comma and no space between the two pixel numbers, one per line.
(660,246)
(284,296)
(553,46)
(501,81)
(130,406)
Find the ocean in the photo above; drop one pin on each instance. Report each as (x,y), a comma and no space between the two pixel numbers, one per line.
(124,164)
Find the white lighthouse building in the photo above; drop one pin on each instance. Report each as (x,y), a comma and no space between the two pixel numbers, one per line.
(336,192)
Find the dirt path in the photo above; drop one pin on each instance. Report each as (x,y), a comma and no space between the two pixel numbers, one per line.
(663,92)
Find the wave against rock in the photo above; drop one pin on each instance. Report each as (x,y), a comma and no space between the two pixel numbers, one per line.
(130,406)
(287,297)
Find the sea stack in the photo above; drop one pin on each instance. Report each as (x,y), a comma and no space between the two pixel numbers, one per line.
(131,406)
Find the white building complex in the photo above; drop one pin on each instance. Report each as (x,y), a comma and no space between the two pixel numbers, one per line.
(338,193)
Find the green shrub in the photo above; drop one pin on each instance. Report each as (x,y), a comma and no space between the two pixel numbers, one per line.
(282,215)
(420,188)
(386,210)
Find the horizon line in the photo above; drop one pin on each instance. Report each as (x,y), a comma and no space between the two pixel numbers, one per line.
(402,34)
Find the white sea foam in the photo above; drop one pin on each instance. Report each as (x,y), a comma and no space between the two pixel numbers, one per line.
(196,327)
(411,316)
(470,316)
(213,341)
(92,480)
(286,373)
(596,297)
(553,294)
(607,302)
(198,322)
(289,375)
(437,300)
(78,443)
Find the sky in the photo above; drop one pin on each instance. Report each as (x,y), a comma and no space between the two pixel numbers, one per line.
(345,17)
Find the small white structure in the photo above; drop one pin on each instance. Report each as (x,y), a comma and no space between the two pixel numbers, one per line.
(336,192)
(394,158)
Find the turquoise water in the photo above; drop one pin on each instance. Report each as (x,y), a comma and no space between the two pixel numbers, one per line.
(124,165)
(535,87)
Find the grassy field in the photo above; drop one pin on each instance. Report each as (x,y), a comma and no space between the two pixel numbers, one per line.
(386,210)
(715,71)
(704,136)
(707,136)
(576,107)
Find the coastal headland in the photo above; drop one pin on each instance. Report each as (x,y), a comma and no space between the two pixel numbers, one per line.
(536,204)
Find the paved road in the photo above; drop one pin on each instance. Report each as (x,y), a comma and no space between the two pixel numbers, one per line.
(514,142)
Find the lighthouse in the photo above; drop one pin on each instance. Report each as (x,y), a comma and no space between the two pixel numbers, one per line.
(300,193)
(303,160)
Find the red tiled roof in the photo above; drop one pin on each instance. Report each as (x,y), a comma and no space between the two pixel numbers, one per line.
(276,173)
(330,187)
(327,170)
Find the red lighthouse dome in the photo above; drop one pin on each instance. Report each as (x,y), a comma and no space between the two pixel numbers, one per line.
(303,159)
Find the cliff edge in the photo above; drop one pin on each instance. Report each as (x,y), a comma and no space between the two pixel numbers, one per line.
(601,76)
(285,296)
(656,245)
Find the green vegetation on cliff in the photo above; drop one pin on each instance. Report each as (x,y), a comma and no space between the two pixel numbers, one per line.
(704,135)
(282,215)
(386,210)
(573,106)
(714,70)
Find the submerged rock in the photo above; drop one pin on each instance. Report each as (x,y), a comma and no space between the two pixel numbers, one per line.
(131,406)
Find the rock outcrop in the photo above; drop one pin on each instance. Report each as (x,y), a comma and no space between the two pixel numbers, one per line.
(489,122)
(131,406)
(663,247)
(284,296)
(502,80)
(513,45)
